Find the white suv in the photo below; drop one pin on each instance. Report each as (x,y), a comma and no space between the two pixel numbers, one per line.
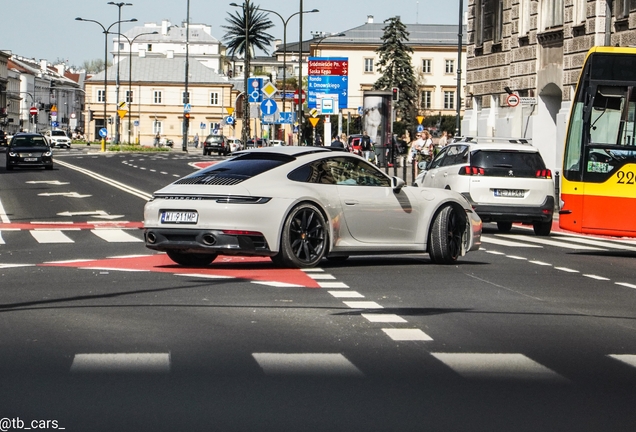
(505,180)
(58,138)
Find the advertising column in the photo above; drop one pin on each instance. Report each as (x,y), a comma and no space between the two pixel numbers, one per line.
(376,122)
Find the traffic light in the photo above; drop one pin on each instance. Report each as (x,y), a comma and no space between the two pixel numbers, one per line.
(91,115)
(110,120)
(186,118)
(396,94)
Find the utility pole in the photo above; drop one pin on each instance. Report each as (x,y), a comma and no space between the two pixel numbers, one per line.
(186,121)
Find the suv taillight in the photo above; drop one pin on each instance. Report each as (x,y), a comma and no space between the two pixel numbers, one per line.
(471,171)
(544,173)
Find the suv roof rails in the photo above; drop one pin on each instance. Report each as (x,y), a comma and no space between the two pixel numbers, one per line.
(493,140)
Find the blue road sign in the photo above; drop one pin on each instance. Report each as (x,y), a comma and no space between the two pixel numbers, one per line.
(55,124)
(187,108)
(269,107)
(103,132)
(202,125)
(136,123)
(229,120)
(286,117)
(254,90)
(328,84)
(420,128)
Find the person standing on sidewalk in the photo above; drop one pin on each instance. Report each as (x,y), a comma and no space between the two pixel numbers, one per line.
(366,146)
(196,140)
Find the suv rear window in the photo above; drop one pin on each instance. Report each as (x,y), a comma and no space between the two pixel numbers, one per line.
(503,162)
(237,169)
(214,138)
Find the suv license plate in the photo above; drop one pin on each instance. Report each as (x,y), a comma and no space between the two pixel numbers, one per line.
(31,159)
(509,193)
(179,217)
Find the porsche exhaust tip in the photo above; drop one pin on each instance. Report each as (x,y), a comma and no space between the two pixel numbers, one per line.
(208,239)
(151,238)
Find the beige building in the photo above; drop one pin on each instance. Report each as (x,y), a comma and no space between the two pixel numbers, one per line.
(535,49)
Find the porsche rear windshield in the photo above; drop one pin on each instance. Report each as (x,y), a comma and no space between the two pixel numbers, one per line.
(244,166)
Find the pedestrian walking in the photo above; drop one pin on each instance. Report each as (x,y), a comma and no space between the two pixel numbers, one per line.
(157,139)
(367,150)
(336,142)
(196,140)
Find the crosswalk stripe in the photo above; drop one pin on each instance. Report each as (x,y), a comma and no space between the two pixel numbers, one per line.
(545,241)
(318,364)
(121,363)
(115,236)
(50,236)
(497,366)
(592,242)
(502,242)
(346,294)
(406,334)
(629,359)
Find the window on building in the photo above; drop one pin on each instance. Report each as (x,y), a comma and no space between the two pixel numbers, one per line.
(449,100)
(580,11)
(551,14)
(426,66)
(129,96)
(479,23)
(214,98)
(498,22)
(157,97)
(100,96)
(621,9)
(426,99)
(149,48)
(121,46)
(368,65)
(450,66)
(157,127)
(524,17)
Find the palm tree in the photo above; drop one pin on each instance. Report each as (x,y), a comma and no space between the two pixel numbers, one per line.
(246,31)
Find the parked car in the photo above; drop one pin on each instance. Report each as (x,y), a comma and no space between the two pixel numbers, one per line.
(256,143)
(216,143)
(355,144)
(235,144)
(276,143)
(58,138)
(300,204)
(29,150)
(505,181)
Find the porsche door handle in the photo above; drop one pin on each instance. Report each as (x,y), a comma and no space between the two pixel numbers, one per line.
(351,202)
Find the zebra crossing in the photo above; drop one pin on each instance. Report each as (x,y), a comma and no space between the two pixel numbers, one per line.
(70,235)
(559,240)
(466,366)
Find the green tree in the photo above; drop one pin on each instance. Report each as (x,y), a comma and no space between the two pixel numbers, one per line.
(397,71)
(257,25)
(94,66)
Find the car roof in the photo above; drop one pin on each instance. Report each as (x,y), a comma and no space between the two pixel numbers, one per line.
(288,150)
(496,143)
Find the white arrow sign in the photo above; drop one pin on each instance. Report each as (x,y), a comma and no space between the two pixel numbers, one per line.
(66,194)
(51,182)
(97,213)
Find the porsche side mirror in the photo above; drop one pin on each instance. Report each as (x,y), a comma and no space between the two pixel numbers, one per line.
(397,184)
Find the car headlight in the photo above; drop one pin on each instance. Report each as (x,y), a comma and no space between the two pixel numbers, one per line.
(48,153)
(13,154)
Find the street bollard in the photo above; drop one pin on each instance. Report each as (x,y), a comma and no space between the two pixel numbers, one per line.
(557,191)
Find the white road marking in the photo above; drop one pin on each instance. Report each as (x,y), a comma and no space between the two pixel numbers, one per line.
(50,236)
(497,366)
(545,241)
(321,276)
(107,269)
(591,276)
(503,242)
(129,256)
(592,242)
(332,285)
(205,276)
(3,215)
(407,334)
(567,270)
(383,318)
(541,263)
(517,257)
(278,284)
(495,252)
(306,364)
(115,235)
(121,363)
(625,284)
(629,359)
(312,270)
(67,261)
(346,294)
(363,305)
(4,266)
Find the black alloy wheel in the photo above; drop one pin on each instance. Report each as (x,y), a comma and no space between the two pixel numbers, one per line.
(447,236)
(304,238)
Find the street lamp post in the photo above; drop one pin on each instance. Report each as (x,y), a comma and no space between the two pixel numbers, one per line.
(117,121)
(458,125)
(285,22)
(186,120)
(130,45)
(106,31)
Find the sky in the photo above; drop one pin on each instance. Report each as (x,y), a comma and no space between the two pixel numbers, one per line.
(45,29)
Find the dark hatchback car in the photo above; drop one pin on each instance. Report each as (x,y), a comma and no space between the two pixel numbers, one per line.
(217,144)
(29,150)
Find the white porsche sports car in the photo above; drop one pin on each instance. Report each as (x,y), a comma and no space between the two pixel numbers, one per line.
(298,205)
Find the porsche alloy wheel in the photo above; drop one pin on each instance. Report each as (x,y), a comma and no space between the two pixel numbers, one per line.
(304,238)
(447,236)
(191,259)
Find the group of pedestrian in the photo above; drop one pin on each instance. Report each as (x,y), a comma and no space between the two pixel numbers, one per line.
(423,148)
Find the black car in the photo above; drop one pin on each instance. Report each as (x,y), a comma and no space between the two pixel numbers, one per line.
(29,150)
(216,143)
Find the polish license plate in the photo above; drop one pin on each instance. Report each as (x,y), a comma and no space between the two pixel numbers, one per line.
(179,217)
(509,193)
(30,159)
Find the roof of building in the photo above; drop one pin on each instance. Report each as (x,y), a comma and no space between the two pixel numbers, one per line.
(174,34)
(161,70)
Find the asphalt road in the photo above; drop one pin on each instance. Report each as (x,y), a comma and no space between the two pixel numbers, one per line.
(100,333)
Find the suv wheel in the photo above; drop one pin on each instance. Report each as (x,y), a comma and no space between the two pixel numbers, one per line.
(504,226)
(542,228)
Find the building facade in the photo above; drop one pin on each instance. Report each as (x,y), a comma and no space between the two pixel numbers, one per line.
(535,49)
